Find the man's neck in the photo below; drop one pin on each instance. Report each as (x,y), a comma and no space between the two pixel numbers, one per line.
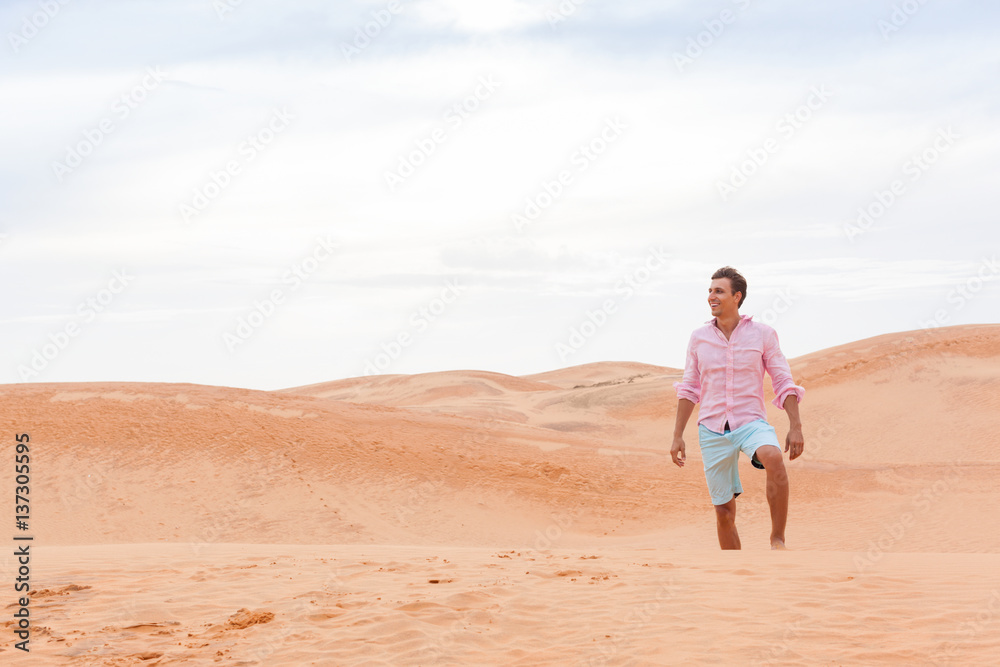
(727,323)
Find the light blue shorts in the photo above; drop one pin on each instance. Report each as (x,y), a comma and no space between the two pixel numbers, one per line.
(720,453)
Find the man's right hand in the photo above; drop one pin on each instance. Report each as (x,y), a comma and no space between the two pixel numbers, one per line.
(678,452)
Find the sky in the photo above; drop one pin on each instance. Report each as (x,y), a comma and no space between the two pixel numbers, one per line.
(266,195)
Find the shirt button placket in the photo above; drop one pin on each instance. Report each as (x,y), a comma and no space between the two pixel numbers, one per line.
(729,382)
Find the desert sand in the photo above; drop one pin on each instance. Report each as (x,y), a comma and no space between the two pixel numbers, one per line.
(476,518)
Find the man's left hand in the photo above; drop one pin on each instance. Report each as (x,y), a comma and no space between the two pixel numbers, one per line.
(794,443)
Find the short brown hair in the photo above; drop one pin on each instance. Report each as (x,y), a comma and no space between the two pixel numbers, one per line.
(737,281)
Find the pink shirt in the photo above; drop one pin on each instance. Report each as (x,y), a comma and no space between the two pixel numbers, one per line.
(727,376)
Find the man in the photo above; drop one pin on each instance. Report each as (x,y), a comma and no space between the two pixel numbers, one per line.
(724,370)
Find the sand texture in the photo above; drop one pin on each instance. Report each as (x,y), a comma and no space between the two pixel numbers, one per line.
(475,518)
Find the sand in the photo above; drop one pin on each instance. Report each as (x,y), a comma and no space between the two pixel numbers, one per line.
(475,518)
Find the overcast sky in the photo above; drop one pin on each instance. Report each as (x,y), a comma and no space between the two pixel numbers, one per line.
(270,194)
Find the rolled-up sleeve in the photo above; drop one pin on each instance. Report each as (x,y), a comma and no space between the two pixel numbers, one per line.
(781,375)
(690,385)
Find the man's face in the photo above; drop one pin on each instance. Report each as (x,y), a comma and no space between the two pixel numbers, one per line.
(721,299)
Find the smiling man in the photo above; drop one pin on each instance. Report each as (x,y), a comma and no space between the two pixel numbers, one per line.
(724,370)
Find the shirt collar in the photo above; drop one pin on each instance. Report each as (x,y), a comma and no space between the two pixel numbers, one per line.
(742,318)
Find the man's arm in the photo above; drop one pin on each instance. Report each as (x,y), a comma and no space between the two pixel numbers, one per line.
(781,375)
(678,451)
(794,443)
(787,394)
(688,393)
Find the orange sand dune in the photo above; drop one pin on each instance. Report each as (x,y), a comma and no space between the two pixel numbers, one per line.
(601,372)
(468,517)
(420,389)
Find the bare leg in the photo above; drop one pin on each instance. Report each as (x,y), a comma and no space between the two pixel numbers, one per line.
(777,492)
(725,520)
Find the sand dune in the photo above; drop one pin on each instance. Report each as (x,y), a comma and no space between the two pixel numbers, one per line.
(421,389)
(601,372)
(470,517)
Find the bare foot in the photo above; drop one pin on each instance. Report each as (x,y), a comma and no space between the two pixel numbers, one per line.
(778,545)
